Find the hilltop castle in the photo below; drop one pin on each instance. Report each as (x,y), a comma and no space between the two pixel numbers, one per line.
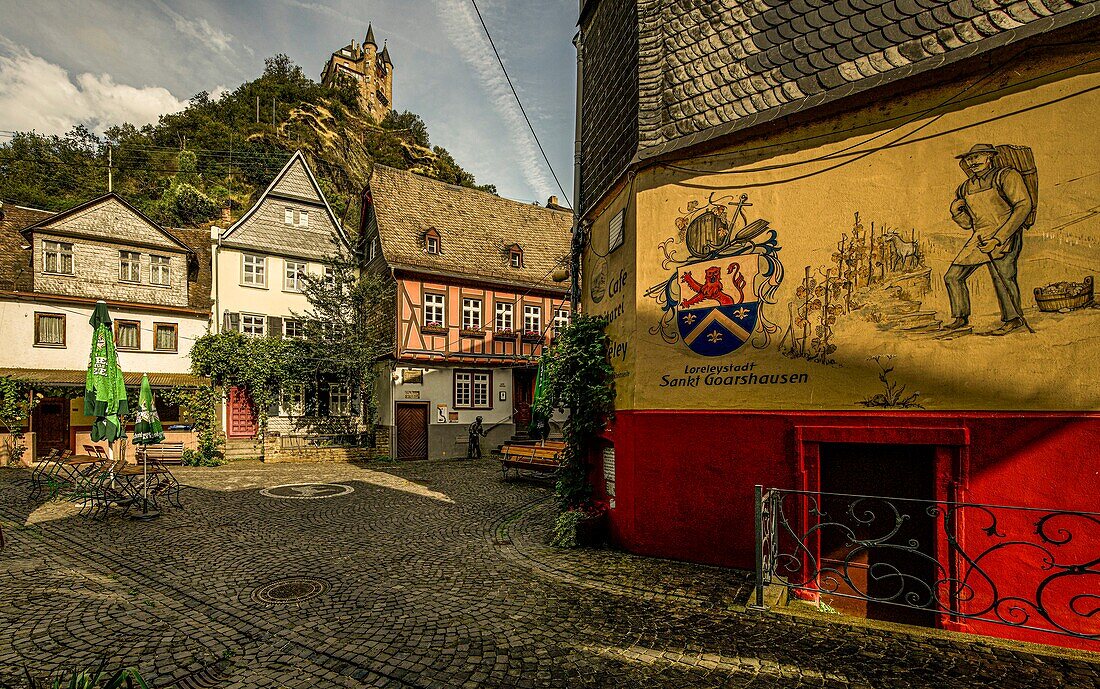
(366,66)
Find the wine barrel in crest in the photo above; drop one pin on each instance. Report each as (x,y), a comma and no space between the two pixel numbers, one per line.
(706,233)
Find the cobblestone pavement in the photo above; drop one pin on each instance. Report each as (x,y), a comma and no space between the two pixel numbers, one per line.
(433,575)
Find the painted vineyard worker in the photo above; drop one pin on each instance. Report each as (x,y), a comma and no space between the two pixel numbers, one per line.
(996,204)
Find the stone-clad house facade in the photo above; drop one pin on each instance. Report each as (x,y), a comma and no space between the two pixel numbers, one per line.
(258,263)
(55,266)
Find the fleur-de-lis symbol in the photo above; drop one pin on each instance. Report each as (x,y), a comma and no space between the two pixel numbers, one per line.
(714,336)
(741,313)
(690,318)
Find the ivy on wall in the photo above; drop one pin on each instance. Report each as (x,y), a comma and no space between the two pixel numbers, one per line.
(579,378)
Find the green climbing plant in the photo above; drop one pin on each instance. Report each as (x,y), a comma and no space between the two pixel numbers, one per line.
(202,408)
(579,378)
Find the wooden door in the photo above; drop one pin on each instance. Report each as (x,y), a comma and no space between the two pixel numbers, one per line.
(50,422)
(523,393)
(412,431)
(908,532)
(242,414)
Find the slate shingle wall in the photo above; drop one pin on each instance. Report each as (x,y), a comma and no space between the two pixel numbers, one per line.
(609,108)
(729,64)
(693,70)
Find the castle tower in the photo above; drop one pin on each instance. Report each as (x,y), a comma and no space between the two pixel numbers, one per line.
(366,67)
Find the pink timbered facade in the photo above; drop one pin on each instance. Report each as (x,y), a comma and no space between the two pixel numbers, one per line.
(475,304)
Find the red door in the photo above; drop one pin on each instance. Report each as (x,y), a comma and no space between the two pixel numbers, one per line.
(242,414)
(523,393)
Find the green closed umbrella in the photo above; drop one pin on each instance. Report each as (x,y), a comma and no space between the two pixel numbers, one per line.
(104,387)
(147,431)
(539,428)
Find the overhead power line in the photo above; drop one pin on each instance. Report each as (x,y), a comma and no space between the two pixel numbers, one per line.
(520,103)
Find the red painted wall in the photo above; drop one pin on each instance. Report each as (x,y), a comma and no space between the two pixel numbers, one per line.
(684,479)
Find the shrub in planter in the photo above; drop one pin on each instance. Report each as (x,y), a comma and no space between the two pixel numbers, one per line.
(579,527)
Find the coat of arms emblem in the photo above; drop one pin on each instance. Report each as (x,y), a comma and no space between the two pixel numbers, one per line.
(715,300)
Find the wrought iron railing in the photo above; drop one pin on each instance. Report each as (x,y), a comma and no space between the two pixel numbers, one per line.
(1036,569)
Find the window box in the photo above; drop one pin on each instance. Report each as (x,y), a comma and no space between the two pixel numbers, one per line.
(504,335)
(472,332)
(433,328)
(532,337)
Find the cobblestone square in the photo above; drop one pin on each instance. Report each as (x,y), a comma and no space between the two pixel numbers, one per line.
(433,574)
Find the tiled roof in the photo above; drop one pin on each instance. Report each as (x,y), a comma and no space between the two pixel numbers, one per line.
(708,68)
(65,377)
(476,229)
(15,267)
(262,227)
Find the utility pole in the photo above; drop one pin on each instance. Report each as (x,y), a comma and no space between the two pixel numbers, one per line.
(110,164)
(272,111)
(257,109)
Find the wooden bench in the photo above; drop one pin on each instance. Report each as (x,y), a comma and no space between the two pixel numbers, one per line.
(544,458)
(165,453)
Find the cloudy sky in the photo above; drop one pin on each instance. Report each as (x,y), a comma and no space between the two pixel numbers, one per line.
(102,62)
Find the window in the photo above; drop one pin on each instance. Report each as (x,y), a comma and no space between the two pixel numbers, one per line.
(293,277)
(165,337)
(160,270)
(515,256)
(615,231)
(330,276)
(295,217)
(472,390)
(57,257)
(254,270)
(292,400)
(252,324)
(128,334)
(129,266)
(504,316)
(49,329)
(431,241)
(471,314)
(373,249)
(433,310)
(532,319)
(293,328)
(561,321)
(339,400)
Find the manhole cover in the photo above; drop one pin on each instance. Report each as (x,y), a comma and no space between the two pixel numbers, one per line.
(307,491)
(290,590)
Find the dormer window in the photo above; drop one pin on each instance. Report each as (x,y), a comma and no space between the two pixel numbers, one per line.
(515,256)
(431,241)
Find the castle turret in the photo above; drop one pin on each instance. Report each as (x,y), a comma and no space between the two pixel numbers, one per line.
(369,70)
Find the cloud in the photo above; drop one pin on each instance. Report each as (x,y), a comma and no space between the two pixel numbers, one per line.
(465,32)
(39,95)
(201,30)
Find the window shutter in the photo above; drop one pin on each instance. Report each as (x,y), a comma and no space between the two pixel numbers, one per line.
(232,322)
(275,327)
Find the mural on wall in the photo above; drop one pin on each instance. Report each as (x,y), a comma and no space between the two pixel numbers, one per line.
(715,298)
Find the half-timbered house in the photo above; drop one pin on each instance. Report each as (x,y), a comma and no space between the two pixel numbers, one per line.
(476,304)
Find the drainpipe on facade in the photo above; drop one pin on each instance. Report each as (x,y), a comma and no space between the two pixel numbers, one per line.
(577,244)
(216,243)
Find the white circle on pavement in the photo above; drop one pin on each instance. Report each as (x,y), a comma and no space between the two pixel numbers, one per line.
(307,491)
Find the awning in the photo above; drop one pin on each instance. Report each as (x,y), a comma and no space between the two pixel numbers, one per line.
(64,377)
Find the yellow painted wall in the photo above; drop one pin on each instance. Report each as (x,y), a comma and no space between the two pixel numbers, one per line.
(895,165)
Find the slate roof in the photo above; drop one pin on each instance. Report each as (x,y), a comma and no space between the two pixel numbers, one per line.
(708,68)
(108,217)
(262,228)
(16,272)
(476,228)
